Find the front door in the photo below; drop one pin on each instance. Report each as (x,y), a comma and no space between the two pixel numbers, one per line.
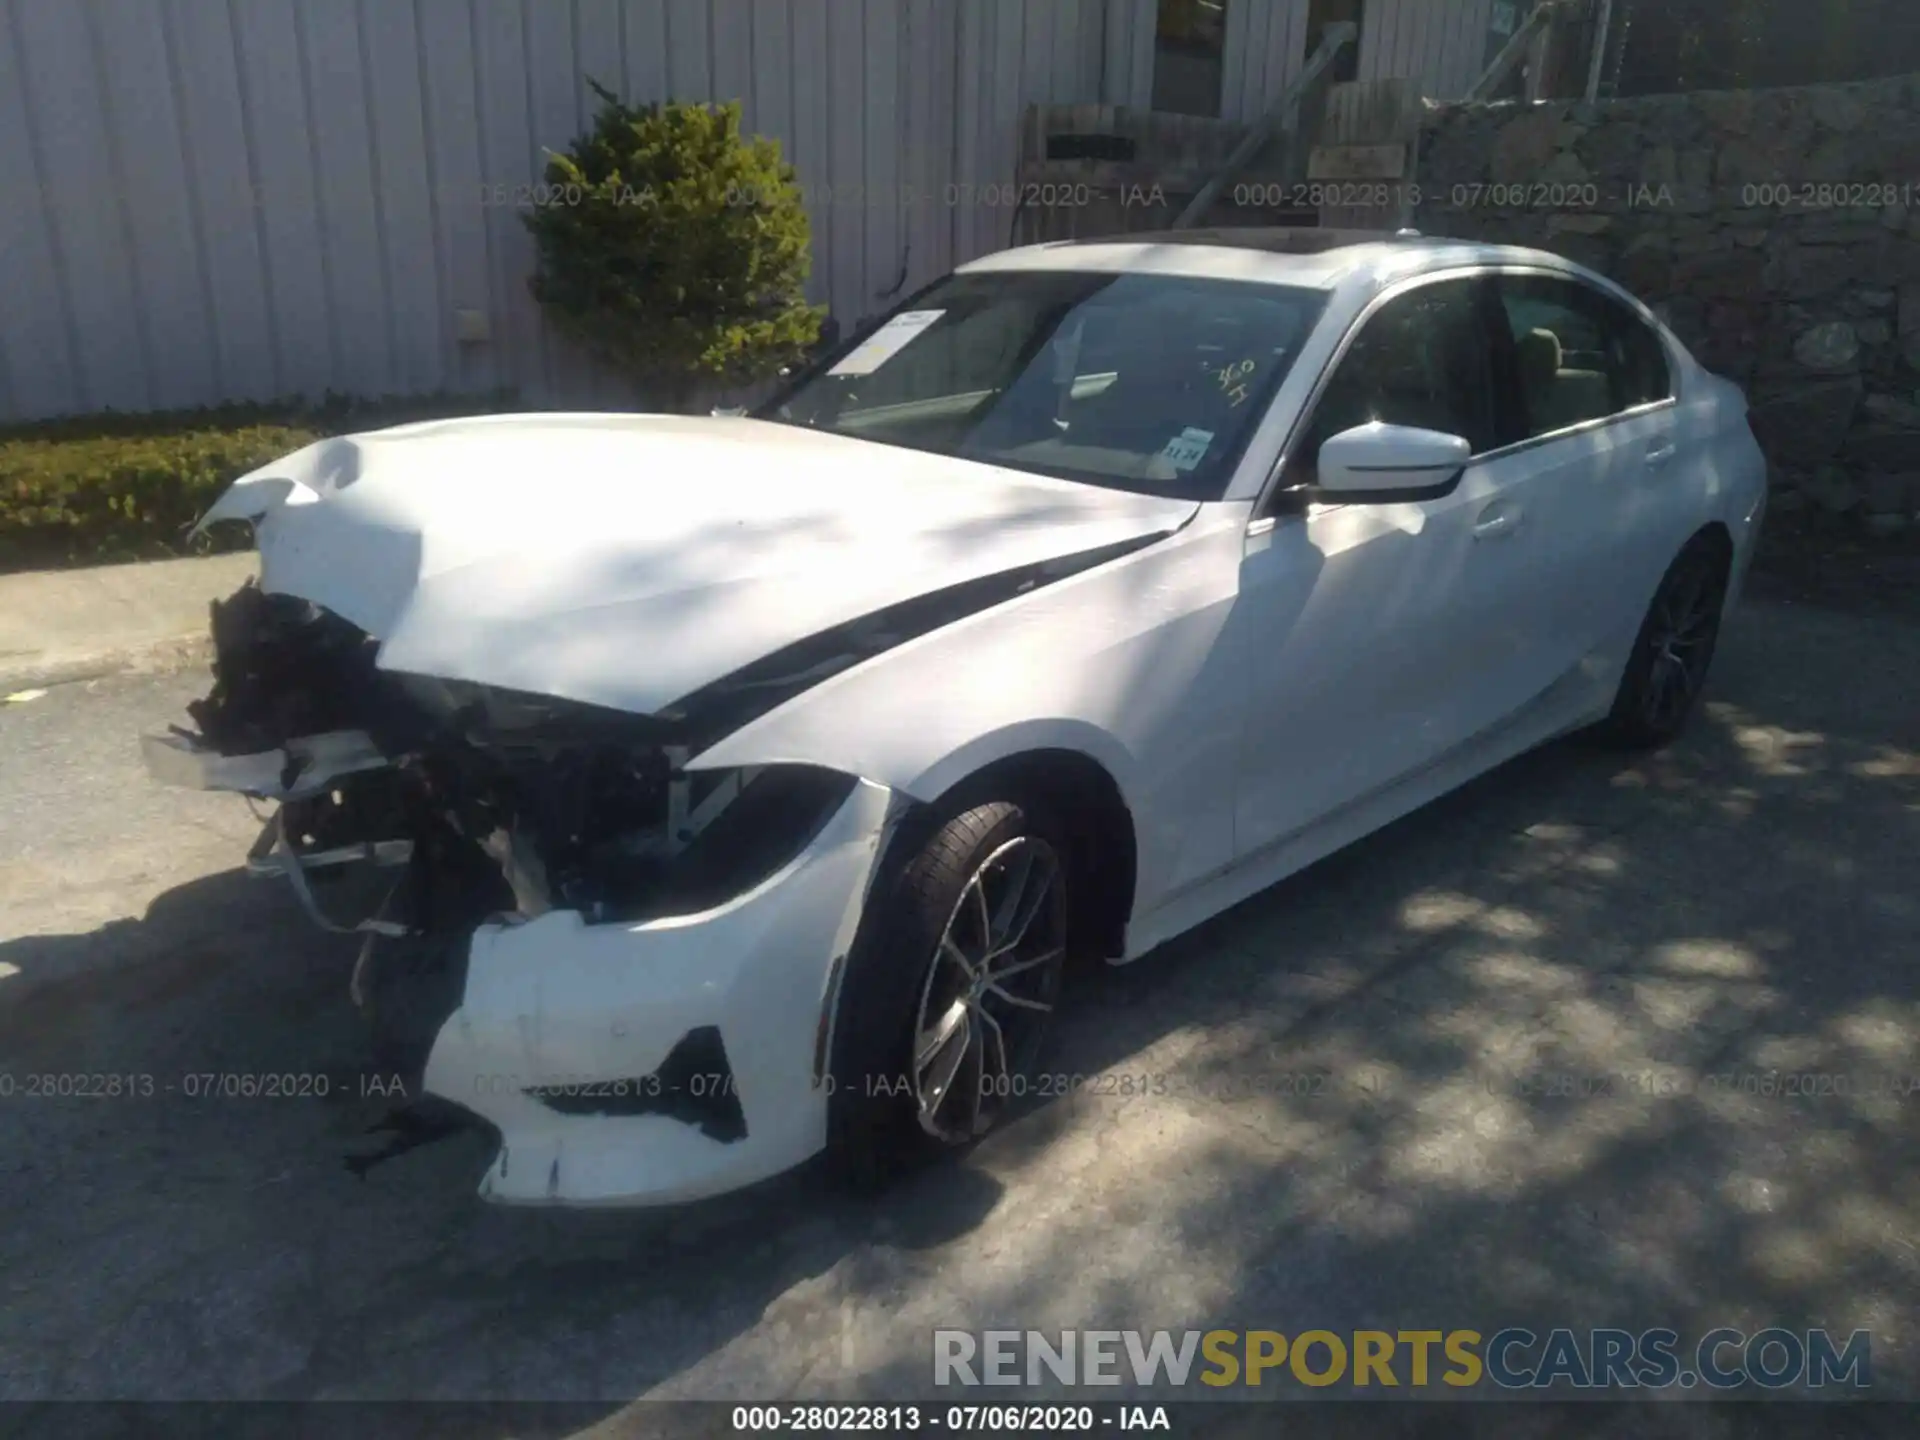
(1383,636)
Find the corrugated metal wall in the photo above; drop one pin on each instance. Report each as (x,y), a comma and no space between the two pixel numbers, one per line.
(1266,47)
(206,200)
(1126,76)
(1012,53)
(203,200)
(1441,43)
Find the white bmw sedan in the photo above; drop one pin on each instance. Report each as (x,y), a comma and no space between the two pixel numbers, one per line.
(726,790)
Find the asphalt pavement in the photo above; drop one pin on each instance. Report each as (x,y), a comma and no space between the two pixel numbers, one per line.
(1487,1067)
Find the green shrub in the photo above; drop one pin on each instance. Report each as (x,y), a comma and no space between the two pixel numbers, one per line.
(675,249)
(129,486)
(124,497)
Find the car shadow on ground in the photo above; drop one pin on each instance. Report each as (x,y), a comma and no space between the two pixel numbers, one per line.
(179,1233)
(1505,1062)
(1649,1057)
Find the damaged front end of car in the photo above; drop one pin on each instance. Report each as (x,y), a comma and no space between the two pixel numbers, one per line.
(450,824)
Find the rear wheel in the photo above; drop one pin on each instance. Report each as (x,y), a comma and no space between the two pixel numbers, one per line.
(1671,656)
(948,995)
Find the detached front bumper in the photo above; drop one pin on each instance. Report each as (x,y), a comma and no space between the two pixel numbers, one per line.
(592,1047)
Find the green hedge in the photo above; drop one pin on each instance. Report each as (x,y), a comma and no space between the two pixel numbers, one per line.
(128,487)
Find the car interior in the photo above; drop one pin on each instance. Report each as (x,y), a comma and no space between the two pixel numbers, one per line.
(1405,368)
(1559,394)
(1147,391)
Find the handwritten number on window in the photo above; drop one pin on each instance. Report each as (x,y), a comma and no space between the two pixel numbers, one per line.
(1233,380)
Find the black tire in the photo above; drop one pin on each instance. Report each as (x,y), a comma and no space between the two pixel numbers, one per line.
(899,971)
(1672,653)
(413,984)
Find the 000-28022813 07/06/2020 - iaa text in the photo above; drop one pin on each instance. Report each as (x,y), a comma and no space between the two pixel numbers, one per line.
(906,1419)
(199,1085)
(1130,1084)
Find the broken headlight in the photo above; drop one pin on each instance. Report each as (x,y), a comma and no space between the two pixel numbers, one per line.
(619,853)
(591,809)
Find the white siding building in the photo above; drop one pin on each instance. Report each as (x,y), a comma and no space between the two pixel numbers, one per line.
(212,200)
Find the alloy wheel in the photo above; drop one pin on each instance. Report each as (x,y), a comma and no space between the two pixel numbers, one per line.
(989,990)
(1686,622)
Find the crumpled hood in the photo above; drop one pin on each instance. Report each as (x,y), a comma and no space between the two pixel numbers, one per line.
(627,560)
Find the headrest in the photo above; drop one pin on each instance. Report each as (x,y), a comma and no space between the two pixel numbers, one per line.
(1540,356)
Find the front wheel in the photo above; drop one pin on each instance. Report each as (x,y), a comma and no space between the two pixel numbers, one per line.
(947,997)
(1672,653)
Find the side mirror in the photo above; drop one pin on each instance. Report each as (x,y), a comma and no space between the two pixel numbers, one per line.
(1384,464)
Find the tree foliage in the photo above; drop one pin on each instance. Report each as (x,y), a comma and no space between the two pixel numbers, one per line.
(675,248)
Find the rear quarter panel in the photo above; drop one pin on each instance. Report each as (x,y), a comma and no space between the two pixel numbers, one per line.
(1733,457)
(1718,474)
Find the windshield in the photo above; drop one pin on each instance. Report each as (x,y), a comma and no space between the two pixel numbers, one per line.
(1139,382)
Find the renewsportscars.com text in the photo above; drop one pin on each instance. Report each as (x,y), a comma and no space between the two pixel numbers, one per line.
(1509,1359)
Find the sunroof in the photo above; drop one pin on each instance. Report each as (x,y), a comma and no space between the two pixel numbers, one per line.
(1299,240)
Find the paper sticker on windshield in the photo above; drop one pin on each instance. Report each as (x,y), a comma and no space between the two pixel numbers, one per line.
(886,342)
(1188,448)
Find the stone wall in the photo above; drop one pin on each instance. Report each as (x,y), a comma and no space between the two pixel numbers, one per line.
(1778,232)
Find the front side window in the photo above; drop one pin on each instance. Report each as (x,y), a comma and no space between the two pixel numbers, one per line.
(1423,360)
(1581,354)
(1140,382)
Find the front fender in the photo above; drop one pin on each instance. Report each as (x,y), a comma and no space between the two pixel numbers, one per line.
(876,741)
(1124,663)
(1058,732)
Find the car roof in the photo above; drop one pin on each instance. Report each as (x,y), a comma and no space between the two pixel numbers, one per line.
(1304,256)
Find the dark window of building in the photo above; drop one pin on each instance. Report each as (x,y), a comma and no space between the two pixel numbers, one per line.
(1322,13)
(1189,42)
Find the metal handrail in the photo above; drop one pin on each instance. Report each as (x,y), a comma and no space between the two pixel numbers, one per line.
(1510,53)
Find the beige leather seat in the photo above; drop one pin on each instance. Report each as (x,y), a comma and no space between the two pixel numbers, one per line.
(1556,396)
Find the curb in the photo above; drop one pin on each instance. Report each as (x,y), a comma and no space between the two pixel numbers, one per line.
(59,627)
(155,657)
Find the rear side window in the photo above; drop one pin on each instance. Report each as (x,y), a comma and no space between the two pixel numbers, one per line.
(1423,359)
(1648,377)
(1581,354)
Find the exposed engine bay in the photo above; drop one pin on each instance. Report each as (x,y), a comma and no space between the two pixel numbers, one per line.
(470,804)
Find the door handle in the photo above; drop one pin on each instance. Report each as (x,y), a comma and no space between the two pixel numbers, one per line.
(1495,524)
(1660,451)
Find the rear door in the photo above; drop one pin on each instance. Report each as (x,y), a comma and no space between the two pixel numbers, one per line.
(1596,440)
(1382,636)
